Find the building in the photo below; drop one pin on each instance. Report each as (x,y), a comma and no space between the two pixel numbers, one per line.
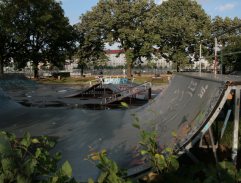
(117,58)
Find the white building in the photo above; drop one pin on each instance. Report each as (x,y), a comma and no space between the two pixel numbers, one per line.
(117,58)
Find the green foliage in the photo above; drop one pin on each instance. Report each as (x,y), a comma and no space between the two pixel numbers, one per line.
(91,43)
(230,41)
(223,172)
(7,41)
(28,160)
(124,105)
(231,55)
(129,23)
(182,25)
(110,172)
(38,30)
(162,160)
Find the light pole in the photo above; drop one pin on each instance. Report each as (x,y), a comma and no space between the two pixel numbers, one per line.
(215,55)
(221,51)
(200,58)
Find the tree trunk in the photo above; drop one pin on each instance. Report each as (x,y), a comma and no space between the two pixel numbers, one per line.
(82,70)
(129,70)
(178,65)
(1,67)
(35,70)
(223,69)
(129,61)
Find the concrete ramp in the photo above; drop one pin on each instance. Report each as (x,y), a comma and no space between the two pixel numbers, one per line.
(184,108)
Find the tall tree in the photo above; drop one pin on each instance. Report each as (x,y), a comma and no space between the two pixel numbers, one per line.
(42,31)
(133,26)
(183,24)
(129,23)
(90,40)
(7,42)
(228,33)
(231,56)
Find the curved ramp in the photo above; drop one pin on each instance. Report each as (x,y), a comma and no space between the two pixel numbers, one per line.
(184,108)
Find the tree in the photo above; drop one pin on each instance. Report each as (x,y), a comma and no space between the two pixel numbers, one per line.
(7,42)
(183,24)
(133,27)
(40,31)
(129,23)
(90,39)
(228,31)
(231,56)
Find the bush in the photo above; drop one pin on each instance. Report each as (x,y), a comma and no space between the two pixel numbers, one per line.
(28,160)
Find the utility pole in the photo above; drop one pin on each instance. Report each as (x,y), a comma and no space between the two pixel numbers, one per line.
(200,58)
(222,62)
(215,55)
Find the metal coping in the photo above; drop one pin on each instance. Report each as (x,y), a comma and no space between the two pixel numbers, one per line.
(230,80)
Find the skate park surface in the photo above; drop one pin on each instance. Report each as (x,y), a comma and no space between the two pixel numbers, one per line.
(185,107)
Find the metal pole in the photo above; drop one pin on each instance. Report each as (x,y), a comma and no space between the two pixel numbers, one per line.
(200,58)
(214,148)
(215,54)
(222,61)
(236,125)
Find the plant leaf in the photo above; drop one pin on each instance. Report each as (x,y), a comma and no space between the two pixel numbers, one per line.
(5,147)
(91,181)
(66,169)
(123,104)
(35,141)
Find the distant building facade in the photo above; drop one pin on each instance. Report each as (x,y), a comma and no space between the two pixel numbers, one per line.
(117,58)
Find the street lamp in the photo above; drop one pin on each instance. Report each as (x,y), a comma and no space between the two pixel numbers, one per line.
(215,55)
(200,58)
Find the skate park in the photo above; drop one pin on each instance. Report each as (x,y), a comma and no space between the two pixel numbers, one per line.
(85,107)
(188,107)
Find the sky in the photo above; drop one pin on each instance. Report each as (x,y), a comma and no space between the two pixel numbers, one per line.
(224,8)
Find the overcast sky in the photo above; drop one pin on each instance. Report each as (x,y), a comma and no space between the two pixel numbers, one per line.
(74,8)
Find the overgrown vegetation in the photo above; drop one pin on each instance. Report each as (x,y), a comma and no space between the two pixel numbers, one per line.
(223,172)
(110,172)
(162,160)
(28,160)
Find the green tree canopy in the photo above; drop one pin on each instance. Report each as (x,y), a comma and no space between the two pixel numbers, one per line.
(40,29)
(90,40)
(7,42)
(228,33)
(183,24)
(231,56)
(129,23)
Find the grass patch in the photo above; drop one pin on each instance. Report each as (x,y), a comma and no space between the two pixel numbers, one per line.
(227,139)
(164,79)
(67,80)
(85,80)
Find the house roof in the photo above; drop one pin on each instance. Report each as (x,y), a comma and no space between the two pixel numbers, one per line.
(113,51)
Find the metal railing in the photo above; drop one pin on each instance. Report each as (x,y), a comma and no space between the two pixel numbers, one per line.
(125,93)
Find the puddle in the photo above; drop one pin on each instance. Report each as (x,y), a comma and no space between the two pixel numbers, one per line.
(80,106)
